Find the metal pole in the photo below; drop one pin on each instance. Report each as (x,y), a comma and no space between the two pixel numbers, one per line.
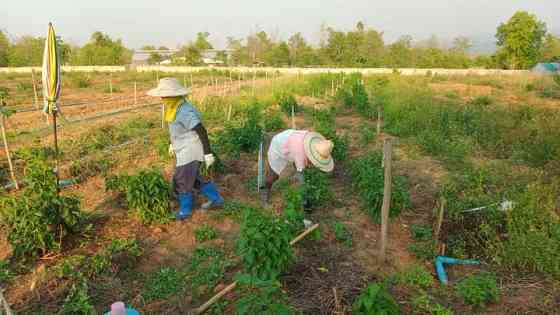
(387,158)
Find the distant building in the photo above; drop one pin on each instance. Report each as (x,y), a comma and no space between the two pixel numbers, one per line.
(210,57)
(141,57)
(544,68)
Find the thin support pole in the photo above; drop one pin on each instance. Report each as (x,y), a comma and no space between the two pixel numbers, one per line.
(293,118)
(332,87)
(7,150)
(387,157)
(162,116)
(111,85)
(378,120)
(35,94)
(135,93)
(229,112)
(439,221)
(254,81)
(54,114)
(192,84)
(185,81)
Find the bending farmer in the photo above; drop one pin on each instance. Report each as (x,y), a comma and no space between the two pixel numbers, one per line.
(300,147)
(189,144)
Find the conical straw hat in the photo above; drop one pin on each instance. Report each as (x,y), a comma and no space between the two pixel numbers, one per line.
(169,87)
(318,151)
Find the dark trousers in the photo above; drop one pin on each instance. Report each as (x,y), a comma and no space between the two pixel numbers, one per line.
(187,177)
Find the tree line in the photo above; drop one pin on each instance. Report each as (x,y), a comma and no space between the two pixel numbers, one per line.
(522,41)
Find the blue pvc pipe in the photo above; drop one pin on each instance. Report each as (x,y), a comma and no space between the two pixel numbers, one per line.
(441,260)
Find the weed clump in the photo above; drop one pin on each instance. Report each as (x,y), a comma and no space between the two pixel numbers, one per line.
(260,296)
(376,300)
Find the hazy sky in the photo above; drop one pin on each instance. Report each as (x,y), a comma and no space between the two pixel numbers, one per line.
(171,22)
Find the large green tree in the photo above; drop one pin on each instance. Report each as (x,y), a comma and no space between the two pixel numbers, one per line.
(520,41)
(278,55)
(4,47)
(551,51)
(103,51)
(201,43)
(27,51)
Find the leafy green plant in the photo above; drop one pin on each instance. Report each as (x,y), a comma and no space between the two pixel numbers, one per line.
(368,180)
(205,233)
(342,233)
(479,290)
(78,301)
(324,123)
(147,194)
(425,250)
(273,122)
(416,276)
(260,296)
(39,218)
(424,303)
(375,300)
(316,188)
(367,134)
(287,102)
(264,244)
(421,232)
(206,269)
(245,136)
(5,272)
(163,283)
(293,209)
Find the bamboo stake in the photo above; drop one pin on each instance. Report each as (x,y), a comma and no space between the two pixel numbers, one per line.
(162,116)
(293,118)
(135,94)
(35,95)
(204,307)
(378,120)
(7,150)
(439,221)
(387,157)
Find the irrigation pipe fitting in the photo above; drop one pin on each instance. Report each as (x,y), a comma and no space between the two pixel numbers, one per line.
(444,260)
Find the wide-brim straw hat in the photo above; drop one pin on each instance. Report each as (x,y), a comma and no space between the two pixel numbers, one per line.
(169,87)
(318,151)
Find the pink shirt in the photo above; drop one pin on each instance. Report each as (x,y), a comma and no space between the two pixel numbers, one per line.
(293,149)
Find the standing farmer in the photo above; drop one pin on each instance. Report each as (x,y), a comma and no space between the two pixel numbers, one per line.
(190,144)
(300,147)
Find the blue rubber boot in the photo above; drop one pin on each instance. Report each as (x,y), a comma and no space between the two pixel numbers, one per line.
(185,206)
(214,199)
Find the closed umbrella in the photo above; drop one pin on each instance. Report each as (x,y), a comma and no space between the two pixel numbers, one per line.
(51,84)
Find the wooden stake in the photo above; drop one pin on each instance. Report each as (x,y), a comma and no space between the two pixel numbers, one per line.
(379,120)
(162,116)
(293,118)
(254,79)
(36,96)
(387,157)
(7,150)
(111,85)
(135,94)
(232,286)
(439,221)
(229,112)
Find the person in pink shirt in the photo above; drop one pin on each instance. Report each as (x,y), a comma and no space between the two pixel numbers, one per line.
(302,148)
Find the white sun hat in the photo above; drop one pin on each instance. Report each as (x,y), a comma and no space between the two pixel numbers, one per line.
(169,87)
(318,151)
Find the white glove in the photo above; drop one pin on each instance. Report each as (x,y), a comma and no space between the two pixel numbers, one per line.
(171,151)
(209,159)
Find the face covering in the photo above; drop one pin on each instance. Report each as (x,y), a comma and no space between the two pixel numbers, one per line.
(171,106)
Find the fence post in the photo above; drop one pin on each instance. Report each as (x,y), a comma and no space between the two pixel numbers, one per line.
(387,158)
(135,94)
(7,149)
(36,96)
